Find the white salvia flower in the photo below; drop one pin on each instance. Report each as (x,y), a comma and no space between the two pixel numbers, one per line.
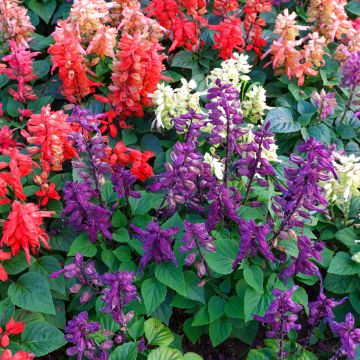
(342,189)
(217,167)
(232,71)
(171,102)
(254,106)
(356,257)
(270,154)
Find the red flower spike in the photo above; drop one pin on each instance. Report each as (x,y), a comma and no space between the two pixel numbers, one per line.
(13,327)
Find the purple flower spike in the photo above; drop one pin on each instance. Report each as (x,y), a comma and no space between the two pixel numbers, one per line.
(120,291)
(253,240)
(350,71)
(281,315)
(349,337)
(123,180)
(77,332)
(157,243)
(322,308)
(85,119)
(302,263)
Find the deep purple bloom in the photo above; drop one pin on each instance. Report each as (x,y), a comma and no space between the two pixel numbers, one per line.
(120,291)
(189,124)
(350,71)
(349,337)
(84,215)
(253,240)
(302,262)
(142,344)
(303,192)
(281,314)
(77,332)
(325,102)
(85,119)
(122,180)
(157,243)
(322,308)
(224,203)
(195,239)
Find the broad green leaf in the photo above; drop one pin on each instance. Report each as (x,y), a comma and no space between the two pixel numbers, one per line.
(31,292)
(192,356)
(201,318)
(216,308)
(301,297)
(193,332)
(193,290)
(282,121)
(144,204)
(171,276)
(254,276)
(13,106)
(354,298)
(222,260)
(126,351)
(118,220)
(174,76)
(262,354)
(83,245)
(153,293)
(165,353)
(347,236)
(184,59)
(43,10)
(41,338)
(219,331)
(251,300)
(7,311)
(157,333)
(341,284)
(40,68)
(342,264)
(16,264)
(234,307)
(39,42)
(137,329)
(353,6)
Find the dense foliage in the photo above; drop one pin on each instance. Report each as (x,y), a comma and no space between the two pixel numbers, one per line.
(179,179)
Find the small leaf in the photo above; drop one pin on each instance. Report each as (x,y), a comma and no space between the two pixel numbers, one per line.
(216,308)
(342,264)
(254,276)
(126,351)
(201,318)
(82,244)
(219,331)
(282,121)
(184,59)
(165,353)
(157,333)
(222,260)
(44,11)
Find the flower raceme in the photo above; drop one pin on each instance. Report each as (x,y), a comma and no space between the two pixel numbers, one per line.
(22,229)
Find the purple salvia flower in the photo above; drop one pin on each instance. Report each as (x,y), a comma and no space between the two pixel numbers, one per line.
(302,262)
(281,315)
(84,215)
(325,102)
(157,243)
(189,124)
(120,292)
(122,181)
(142,345)
(224,203)
(252,163)
(77,332)
(321,308)
(226,119)
(303,192)
(349,337)
(350,71)
(253,240)
(84,118)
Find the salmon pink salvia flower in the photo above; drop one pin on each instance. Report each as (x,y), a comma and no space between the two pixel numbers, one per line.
(22,229)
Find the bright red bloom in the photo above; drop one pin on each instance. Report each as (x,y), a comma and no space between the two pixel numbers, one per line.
(194,7)
(6,139)
(13,327)
(22,229)
(223,7)
(228,37)
(50,132)
(69,57)
(20,355)
(47,192)
(185,33)
(140,166)
(20,69)
(136,73)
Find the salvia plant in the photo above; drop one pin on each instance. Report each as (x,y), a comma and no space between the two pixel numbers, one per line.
(179,180)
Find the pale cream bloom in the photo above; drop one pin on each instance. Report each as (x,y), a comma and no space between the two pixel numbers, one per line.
(254,105)
(217,167)
(232,71)
(171,102)
(356,257)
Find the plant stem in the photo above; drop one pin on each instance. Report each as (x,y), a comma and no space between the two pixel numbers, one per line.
(348,103)
(202,257)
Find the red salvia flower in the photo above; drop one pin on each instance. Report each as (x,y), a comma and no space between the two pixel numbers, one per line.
(228,36)
(4,256)
(194,7)
(140,166)
(6,139)
(223,7)
(13,327)
(20,69)
(69,57)
(22,229)
(20,355)
(49,131)
(47,191)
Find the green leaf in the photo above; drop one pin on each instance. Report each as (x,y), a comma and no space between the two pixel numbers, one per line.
(39,42)
(16,264)
(216,308)
(157,333)
(320,132)
(13,106)
(126,351)
(118,220)
(3,80)
(254,276)
(153,293)
(341,284)
(342,264)
(41,338)
(201,318)
(282,121)
(184,59)
(171,276)
(7,311)
(47,265)
(301,297)
(82,244)
(193,290)
(219,331)
(41,68)
(262,354)
(347,236)
(44,11)
(234,307)
(192,356)
(222,260)
(165,353)
(174,76)
(144,204)
(31,292)
(353,7)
